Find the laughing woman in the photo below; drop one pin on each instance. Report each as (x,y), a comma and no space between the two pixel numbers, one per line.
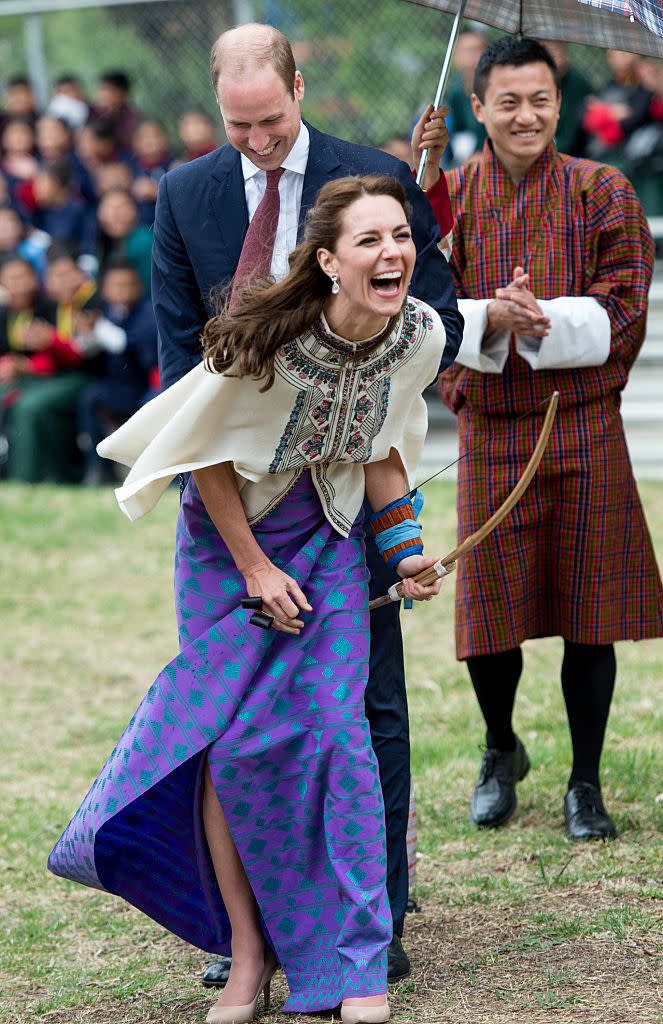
(242,806)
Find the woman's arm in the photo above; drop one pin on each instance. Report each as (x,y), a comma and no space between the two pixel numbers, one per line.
(386,481)
(281,594)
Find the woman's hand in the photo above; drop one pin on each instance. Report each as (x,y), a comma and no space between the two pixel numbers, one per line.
(411,566)
(281,595)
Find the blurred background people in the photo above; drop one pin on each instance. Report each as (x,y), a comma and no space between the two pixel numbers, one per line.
(39,375)
(18,153)
(570,136)
(616,110)
(644,149)
(56,143)
(68,101)
(121,236)
(197,134)
(125,334)
(466,134)
(20,100)
(151,151)
(112,101)
(51,203)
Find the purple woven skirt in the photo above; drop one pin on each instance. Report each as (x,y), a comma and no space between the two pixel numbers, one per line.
(281,721)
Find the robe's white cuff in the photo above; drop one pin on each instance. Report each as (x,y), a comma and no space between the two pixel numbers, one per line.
(488,355)
(579,335)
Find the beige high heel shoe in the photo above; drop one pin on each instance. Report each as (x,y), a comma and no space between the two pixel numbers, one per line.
(246,1013)
(365,1014)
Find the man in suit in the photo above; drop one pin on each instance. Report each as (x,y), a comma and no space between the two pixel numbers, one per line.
(202,217)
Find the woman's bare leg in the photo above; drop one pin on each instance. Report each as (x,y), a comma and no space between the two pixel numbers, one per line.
(248,944)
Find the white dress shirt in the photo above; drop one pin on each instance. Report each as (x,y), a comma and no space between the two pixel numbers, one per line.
(290,192)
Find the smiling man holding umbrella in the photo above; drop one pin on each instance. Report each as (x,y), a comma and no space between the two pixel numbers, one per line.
(552,260)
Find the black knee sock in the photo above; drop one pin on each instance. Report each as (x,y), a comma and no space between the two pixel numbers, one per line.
(588,681)
(495,680)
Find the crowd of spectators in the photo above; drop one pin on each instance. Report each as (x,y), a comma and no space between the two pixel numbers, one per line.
(78,340)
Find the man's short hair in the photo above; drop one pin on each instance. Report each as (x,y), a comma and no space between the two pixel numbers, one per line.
(510,51)
(60,250)
(60,173)
(19,80)
(103,128)
(68,78)
(116,79)
(121,263)
(276,51)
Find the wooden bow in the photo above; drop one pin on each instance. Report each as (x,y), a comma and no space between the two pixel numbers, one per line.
(448,563)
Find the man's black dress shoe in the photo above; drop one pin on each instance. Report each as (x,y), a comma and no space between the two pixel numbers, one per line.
(398,962)
(585,814)
(494,799)
(216,974)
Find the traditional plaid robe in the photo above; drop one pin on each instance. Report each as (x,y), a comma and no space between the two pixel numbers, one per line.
(575,558)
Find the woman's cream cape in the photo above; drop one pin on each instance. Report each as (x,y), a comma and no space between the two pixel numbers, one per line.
(323,412)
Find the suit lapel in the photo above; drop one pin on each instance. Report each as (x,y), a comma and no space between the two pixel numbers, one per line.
(323,165)
(228,202)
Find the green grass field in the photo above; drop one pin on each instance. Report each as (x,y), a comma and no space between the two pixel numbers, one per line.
(515,925)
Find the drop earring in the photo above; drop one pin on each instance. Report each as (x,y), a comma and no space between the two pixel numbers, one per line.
(335,288)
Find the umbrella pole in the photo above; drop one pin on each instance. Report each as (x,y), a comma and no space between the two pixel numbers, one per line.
(444,75)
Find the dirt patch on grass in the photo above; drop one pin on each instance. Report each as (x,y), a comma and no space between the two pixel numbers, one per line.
(499,964)
(560,958)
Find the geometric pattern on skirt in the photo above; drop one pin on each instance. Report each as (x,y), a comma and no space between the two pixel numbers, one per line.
(574,558)
(281,721)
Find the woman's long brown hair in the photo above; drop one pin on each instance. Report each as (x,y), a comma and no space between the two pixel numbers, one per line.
(268,314)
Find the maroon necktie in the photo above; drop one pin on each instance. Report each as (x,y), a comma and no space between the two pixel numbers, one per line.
(255,259)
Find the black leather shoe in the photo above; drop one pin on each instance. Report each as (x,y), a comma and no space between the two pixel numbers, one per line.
(494,799)
(398,962)
(216,974)
(585,814)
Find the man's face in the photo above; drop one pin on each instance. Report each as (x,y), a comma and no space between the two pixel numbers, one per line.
(621,63)
(20,101)
(109,98)
(520,112)
(262,120)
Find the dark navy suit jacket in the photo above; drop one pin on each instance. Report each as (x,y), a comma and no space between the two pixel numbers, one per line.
(201,220)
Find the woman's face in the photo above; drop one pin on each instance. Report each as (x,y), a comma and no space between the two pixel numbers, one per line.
(53,139)
(150,141)
(63,279)
(11,230)
(373,259)
(20,284)
(18,139)
(117,215)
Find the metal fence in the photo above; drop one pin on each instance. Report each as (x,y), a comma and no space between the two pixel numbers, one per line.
(369,67)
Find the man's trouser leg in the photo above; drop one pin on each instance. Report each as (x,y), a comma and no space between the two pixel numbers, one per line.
(386,710)
(42,429)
